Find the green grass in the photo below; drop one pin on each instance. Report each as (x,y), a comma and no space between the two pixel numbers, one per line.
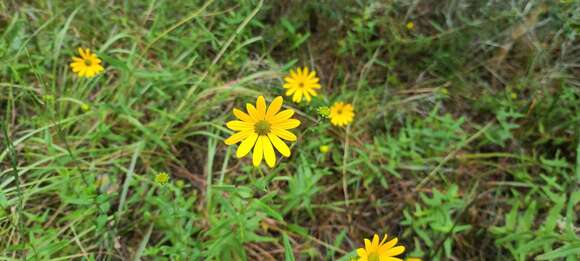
(465,144)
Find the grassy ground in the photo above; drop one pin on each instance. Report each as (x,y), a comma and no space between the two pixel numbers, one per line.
(465,143)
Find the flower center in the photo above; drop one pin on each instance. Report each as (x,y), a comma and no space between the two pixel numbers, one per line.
(88,62)
(262,127)
(301,84)
(374,257)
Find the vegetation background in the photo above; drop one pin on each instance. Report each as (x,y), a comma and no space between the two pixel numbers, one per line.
(465,145)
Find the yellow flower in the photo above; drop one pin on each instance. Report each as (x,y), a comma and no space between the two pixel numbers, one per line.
(341,114)
(375,251)
(261,128)
(162,178)
(410,25)
(88,65)
(324,148)
(301,83)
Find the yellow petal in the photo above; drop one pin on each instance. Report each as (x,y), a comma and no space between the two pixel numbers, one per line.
(361,252)
(368,244)
(274,107)
(237,137)
(253,112)
(297,95)
(287,124)
(269,154)
(261,107)
(243,116)
(258,153)
(282,116)
(289,80)
(246,145)
(389,245)
(290,91)
(240,125)
(375,241)
(395,251)
(78,60)
(284,134)
(279,145)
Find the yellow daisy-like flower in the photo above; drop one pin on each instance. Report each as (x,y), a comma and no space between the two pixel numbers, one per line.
(341,114)
(375,251)
(88,65)
(410,25)
(301,83)
(263,129)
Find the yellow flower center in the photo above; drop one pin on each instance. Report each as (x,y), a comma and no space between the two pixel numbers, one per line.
(374,257)
(262,127)
(88,62)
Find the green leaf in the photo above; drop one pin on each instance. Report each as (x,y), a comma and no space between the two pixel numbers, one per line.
(565,251)
(288,253)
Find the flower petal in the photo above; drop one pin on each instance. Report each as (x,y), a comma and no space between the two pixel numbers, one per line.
(279,145)
(375,243)
(297,95)
(389,245)
(258,152)
(361,252)
(237,137)
(246,145)
(240,125)
(287,124)
(282,116)
(269,154)
(395,251)
(284,134)
(274,107)
(368,244)
(261,107)
(243,116)
(252,111)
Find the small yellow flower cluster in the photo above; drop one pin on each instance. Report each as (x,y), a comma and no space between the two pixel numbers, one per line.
(262,129)
(302,84)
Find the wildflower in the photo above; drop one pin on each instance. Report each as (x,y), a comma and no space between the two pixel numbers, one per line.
(88,65)
(301,83)
(162,178)
(323,111)
(410,25)
(375,251)
(261,128)
(513,95)
(85,107)
(341,114)
(324,148)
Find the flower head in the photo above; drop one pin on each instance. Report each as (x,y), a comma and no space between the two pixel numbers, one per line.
(263,129)
(341,114)
(88,65)
(162,178)
(301,83)
(410,25)
(380,251)
(324,148)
